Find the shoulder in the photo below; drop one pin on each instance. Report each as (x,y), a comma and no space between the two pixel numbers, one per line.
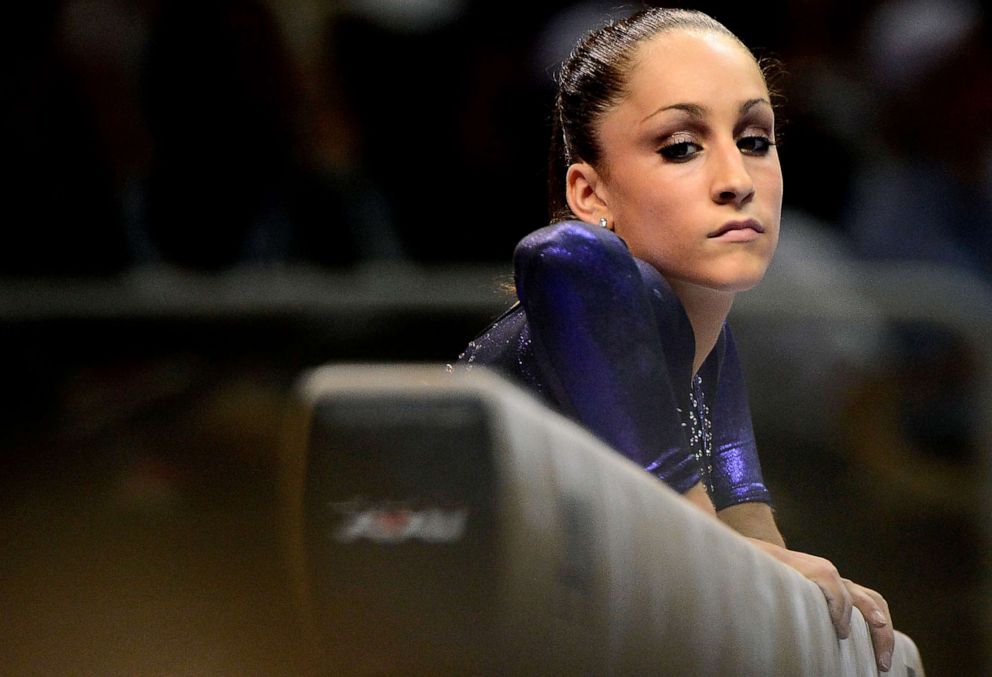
(501,343)
(572,244)
(506,347)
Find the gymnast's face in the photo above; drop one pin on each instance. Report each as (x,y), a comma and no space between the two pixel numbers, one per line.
(689,176)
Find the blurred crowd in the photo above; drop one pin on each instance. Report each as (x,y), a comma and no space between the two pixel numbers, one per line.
(208,134)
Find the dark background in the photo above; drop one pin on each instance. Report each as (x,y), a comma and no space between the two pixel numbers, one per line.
(202,199)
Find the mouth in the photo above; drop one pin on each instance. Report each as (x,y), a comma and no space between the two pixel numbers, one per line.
(747,226)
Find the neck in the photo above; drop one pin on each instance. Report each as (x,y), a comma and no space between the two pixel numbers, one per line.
(707,310)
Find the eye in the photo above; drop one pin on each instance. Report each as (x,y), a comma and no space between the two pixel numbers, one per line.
(680,151)
(755,145)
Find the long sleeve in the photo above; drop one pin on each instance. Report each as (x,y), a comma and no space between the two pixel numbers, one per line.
(597,343)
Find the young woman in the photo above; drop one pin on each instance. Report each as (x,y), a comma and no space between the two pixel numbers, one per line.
(666,190)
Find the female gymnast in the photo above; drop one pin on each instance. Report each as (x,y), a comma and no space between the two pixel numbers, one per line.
(666,195)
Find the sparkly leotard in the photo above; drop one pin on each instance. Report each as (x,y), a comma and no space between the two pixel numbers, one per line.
(600,336)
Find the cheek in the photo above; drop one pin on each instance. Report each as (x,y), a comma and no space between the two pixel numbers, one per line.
(655,210)
(769,193)
(656,222)
(661,238)
(775,189)
(771,183)
(660,202)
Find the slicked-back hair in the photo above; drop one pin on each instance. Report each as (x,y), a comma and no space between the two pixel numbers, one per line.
(593,80)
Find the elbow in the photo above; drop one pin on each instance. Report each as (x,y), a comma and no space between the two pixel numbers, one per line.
(569,247)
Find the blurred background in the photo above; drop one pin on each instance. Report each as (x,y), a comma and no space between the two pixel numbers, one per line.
(203,199)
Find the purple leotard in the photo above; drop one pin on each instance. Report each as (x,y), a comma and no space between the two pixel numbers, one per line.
(600,336)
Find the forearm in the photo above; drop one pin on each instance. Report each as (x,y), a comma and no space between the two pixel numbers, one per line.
(754,520)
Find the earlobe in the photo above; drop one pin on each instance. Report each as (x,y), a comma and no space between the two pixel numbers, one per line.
(585,193)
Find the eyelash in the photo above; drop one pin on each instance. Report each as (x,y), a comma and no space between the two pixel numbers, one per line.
(678,151)
(764,144)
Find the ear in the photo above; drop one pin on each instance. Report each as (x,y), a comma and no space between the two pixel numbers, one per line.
(586,194)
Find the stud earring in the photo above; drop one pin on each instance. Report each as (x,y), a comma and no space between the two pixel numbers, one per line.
(603,223)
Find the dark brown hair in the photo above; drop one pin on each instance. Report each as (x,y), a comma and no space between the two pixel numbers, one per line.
(593,79)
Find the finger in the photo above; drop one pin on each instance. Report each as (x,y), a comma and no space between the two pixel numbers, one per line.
(876,611)
(839,606)
(884,640)
(871,604)
(836,594)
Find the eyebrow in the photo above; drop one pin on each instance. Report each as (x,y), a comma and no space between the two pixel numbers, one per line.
(694,110)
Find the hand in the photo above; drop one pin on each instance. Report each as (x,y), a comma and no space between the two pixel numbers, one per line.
(842,595)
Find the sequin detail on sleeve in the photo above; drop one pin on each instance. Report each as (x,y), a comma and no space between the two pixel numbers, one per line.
(736,471)
(583,346)
(700,432)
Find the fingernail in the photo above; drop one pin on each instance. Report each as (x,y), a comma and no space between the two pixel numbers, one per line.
(878,618)
(885,662)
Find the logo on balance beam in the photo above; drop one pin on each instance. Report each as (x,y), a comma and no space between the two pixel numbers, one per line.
(397,522)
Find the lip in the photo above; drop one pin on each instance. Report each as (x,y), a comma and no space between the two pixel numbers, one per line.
(737,230)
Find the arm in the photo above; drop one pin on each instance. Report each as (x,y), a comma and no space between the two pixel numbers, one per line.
(841,596)
(741,497)
(596,337)
(754,520)
(736,474)
(598,347)
(597,315)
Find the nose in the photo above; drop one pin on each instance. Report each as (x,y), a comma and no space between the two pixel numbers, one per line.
(732,183)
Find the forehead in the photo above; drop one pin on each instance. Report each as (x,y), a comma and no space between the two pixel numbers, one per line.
(693,66)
